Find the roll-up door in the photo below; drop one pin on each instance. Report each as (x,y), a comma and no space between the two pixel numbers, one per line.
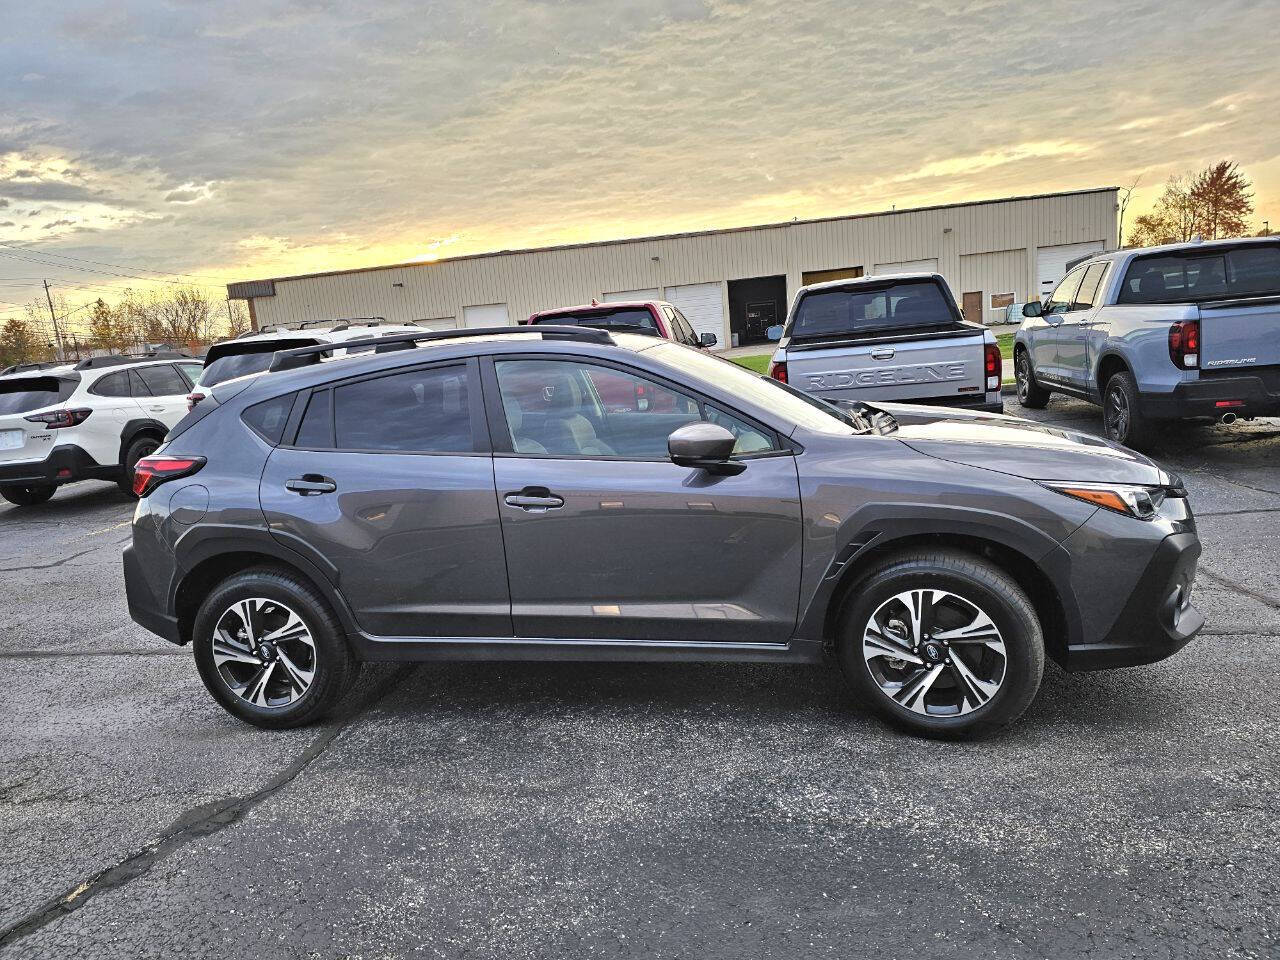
(703,304)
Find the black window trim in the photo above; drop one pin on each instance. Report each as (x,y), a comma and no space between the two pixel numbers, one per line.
(500,434)
(479,433)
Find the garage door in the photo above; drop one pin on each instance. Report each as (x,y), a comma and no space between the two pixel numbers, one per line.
(1051,262)
(650,294)
(702,304)
(486,315)
(908,266)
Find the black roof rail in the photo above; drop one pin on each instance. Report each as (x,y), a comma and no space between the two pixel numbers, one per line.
(119,359)
(27,367)
(305,356)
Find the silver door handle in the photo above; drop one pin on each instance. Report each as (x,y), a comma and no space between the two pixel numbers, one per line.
(310,485)
(157,409)
(534,503)
(882,354)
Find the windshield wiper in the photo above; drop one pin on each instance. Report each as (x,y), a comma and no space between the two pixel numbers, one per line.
(864,418)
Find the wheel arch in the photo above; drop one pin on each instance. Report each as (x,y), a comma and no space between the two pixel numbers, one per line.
(140,427)
(1051,606)
(1110,363)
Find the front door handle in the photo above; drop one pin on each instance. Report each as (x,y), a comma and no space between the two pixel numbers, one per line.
(310,485)
(534,500)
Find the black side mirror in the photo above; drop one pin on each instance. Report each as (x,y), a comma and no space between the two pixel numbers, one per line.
(708,339)
(1033,309)
(704,446)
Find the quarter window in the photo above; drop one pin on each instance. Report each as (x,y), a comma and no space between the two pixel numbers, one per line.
(316,430)
(419,411)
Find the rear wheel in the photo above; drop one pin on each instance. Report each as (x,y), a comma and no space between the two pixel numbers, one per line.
(1121,416)
(1030,394)
(270,650)
(30,495)
(142,447)
(943,644)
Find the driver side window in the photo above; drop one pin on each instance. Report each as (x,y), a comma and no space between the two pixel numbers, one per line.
(566,408)
(1064,293)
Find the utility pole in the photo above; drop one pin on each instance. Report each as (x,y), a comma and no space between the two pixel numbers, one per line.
(57,334)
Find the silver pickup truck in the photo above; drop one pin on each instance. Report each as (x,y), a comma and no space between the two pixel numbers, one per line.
(1190,330)
(898,338)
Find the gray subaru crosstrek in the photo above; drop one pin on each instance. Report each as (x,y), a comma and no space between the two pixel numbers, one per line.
(569,493)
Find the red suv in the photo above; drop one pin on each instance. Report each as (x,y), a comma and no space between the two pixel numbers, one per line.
(655,317)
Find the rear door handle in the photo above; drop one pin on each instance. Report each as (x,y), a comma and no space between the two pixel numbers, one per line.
(310,485)
(534,500)
(157,409)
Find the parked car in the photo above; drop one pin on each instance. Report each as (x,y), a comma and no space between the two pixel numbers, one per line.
(898,337)
(654,317)
(415,505)
(250,354)
(1159,334)
(91,420)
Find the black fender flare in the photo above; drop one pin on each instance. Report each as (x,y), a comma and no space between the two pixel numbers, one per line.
(134,428)
(876,527)
(203,542)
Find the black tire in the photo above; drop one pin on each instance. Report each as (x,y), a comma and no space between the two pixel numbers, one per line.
(1030,394)
(142,447)
(30,495)
(1122,417)
(970,580)
(334,668)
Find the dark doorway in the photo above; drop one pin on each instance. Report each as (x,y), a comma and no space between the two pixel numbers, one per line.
(756,304)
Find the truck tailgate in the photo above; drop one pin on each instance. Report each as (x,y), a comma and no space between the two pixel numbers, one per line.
(1240,333)
(891,368)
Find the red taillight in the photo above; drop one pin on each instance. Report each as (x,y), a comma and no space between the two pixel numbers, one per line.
(778,371)
(1184,344)
(193,399)
(994,365)
(153,471)
(60,418)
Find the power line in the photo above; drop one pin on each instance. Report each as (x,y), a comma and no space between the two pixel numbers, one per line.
(103,263)
(104,273)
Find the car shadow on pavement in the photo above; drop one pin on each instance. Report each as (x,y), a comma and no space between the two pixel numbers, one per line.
(69,503)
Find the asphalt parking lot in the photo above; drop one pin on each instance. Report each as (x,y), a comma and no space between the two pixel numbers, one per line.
(510,810)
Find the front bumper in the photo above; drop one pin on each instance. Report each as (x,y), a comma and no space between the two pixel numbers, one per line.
(1158,619)
(1258,394)
(144,607)
(65,464)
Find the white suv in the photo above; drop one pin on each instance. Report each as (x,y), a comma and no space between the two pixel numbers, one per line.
(91,420)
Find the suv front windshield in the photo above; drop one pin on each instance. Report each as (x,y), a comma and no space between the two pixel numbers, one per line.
(788,402)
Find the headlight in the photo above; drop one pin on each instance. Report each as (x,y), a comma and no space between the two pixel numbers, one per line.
(1132,499)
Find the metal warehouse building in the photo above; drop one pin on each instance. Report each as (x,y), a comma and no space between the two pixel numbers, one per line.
(733,282)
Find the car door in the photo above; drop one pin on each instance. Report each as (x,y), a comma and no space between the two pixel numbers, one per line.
(1074,330)
(606,538)
(161,391)
(1045,351)
(388,481)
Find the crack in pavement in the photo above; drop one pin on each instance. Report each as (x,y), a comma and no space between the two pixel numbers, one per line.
(1236,588)
(141,652)
(200,821)
(1236,513)
(48,566)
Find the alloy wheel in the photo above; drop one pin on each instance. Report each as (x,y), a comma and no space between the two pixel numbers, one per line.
(264,652)
(934,653)
(1022,374)
(1116,414)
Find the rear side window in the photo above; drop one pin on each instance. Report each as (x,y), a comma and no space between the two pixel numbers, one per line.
(316,431)
(269,417)
(867,309)
(1252,271)
(627,317)
(163,380)
(113,385)
(32,393)
(419,411)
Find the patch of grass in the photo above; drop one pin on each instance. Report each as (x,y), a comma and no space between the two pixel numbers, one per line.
(759,362)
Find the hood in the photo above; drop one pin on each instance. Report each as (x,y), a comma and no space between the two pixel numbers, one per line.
(1020,447)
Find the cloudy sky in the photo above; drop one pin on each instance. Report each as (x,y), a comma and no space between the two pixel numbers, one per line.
(214,141)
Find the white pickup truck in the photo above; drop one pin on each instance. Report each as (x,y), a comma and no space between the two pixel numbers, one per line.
(898,338)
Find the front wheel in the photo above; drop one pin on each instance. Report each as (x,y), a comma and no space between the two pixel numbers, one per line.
(943,644)
(30,495)
(1030,394)
(270,650)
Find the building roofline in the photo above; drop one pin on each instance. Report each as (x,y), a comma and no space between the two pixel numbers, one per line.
(668,236)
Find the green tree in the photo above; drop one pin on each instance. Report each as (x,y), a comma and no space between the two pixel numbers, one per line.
(20,343)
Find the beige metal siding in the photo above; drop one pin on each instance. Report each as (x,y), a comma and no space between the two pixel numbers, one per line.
(1004,271)
(534,280)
